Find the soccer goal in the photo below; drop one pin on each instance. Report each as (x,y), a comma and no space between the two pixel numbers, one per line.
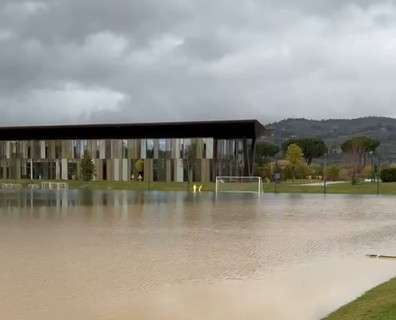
(238,184)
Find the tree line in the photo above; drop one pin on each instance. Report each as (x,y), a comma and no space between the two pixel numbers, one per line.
(298,156)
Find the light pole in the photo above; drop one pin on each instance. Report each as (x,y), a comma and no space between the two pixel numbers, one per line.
(31,169)
(325,174)
(377,175)
(375,163)
(373,167)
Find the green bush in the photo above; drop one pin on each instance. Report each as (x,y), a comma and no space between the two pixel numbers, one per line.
(333,173)
(300,171)
(265,171)
(317,171)
(87,167)
(388,175)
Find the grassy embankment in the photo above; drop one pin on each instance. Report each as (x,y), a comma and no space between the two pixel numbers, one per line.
(284,187)
(377,304)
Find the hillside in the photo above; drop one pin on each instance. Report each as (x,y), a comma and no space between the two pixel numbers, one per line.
(335,131)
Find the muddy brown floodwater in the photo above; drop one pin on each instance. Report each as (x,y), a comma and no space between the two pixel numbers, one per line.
(128,255)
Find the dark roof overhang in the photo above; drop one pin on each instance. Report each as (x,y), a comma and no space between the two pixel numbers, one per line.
(233,129)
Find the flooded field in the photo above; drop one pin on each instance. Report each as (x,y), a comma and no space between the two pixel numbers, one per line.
(126,255)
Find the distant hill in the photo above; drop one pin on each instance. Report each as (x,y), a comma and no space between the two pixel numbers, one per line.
(335,131)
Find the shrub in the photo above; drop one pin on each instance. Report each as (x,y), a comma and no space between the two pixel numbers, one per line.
(317,171)
(367,172)
(388,175)
(138,167)
(87,167)
(344,174)
(265,171)
(300,171)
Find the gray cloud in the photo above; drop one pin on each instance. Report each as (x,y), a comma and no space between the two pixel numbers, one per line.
(99,61)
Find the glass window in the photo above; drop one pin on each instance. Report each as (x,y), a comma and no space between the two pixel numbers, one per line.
(162,154)
(125,149)
(150,148)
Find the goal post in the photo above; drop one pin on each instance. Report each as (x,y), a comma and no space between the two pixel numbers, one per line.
(238,184)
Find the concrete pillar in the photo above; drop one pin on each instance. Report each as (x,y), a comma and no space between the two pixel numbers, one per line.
(64,169)
(8,150)
(31,169)
(176,149)
(143,149)
(18,170)
(109,170)
(116,170)
(205,170)
(148,170)
(125,170)
(57,170)
(156,148)
(42,150)
(98,169)
(209,148)
(168,168)
(102,149)
(178,170)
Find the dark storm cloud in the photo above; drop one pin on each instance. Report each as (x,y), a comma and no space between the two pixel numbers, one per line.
(99,60)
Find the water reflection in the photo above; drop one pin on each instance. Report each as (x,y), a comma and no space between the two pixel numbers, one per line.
(119,205)
(92,254)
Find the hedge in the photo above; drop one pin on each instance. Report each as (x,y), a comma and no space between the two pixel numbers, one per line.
(388,175)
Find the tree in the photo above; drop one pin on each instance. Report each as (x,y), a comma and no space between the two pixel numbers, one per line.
(311,148)
(87,167)
(295,157)
(190,154)
(264,151)
(357,149)
(139,167)
(333,173)
(388,175)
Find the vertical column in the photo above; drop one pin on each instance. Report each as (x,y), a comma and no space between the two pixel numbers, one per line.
(156,149)
(8,150)
(42,150)
(116,170)
(148,170)
(98,169)
(31,169)
(102,149)
(64,169)
(178,170)
(215,160)
(168,169)
(143,149)
(253,157)
(125,171)
(205,170)
(18,170)
(246,160)
(57,170)
(109,169)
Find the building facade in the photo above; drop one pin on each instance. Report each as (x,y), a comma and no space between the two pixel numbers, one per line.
(197,151)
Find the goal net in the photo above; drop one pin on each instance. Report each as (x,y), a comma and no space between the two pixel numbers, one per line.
(238,184)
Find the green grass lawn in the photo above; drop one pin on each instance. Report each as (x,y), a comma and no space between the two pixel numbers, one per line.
(377,304)
(284,187)
(339,188)
(121,185)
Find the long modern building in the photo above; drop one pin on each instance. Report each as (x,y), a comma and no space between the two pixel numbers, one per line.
(176,151)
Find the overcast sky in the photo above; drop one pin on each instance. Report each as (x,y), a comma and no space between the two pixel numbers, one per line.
(162,60)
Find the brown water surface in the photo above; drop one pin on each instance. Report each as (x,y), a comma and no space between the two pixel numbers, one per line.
(126,255)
